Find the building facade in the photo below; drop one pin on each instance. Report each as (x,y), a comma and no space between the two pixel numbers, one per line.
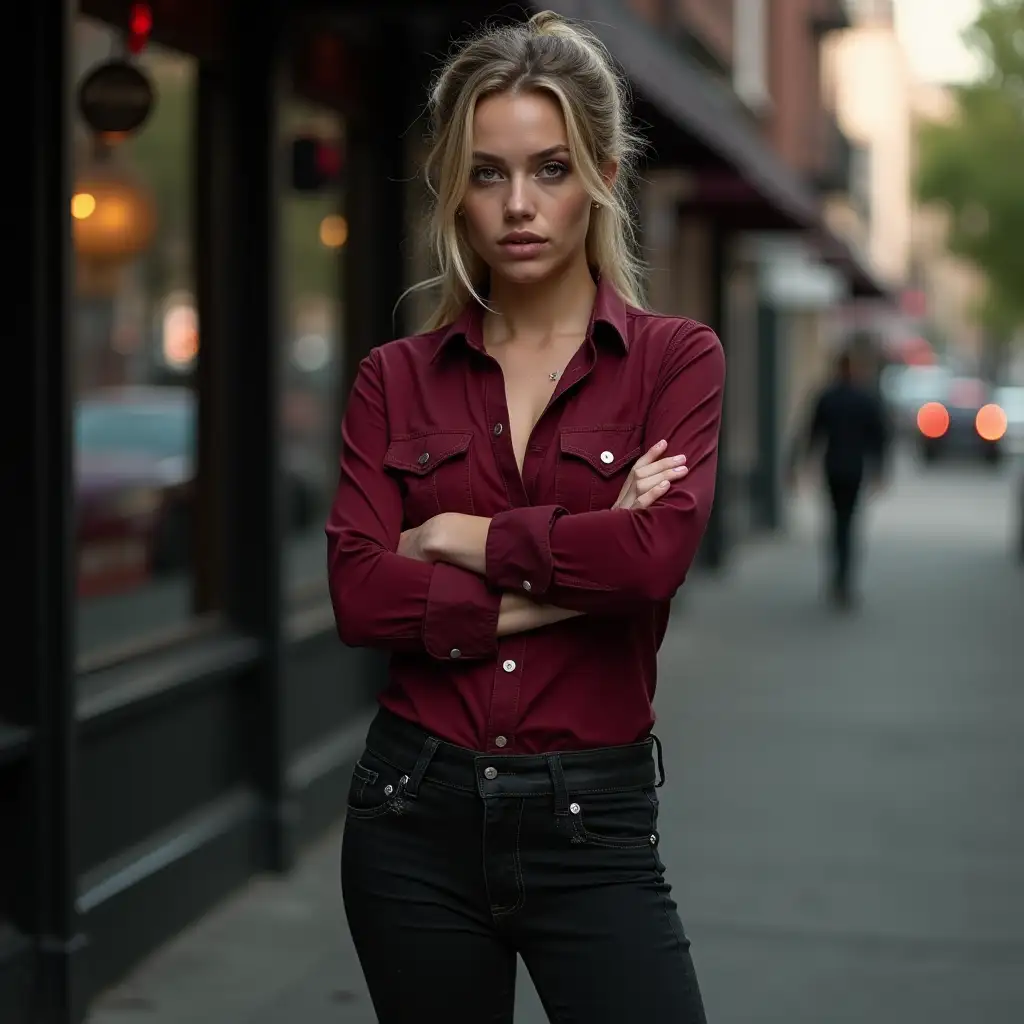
(206,252)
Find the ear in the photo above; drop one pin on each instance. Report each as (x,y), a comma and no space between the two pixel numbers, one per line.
(609,172)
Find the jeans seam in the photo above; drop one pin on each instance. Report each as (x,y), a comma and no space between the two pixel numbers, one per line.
(520,883)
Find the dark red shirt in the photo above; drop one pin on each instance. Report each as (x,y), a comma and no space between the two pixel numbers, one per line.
(426,431)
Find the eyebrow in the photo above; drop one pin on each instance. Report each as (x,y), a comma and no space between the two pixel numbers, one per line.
(544,154)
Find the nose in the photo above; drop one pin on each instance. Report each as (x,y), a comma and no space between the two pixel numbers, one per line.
(519,203)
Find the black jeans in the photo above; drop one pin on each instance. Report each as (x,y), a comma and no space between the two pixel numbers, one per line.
(454,861)
(844,496)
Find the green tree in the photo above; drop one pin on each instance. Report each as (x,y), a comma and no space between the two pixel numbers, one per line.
(974,165)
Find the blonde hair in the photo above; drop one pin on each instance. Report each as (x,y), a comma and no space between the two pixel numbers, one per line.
(550,54)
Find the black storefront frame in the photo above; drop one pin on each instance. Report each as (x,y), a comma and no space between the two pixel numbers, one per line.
(266,676)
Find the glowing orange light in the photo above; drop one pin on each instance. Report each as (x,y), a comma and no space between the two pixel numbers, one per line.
(333,231)
(83,205)
(990,422)
(932,419)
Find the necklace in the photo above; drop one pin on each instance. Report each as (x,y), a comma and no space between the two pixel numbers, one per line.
(554,374)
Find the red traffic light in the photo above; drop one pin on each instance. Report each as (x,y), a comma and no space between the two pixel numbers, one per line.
(140,25)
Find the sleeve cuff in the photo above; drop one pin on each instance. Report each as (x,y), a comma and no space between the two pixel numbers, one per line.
(461,619)
(518,551)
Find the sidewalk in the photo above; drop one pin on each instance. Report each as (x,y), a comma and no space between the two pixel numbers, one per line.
(842,818)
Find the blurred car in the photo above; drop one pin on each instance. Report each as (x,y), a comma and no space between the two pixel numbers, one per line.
(135,485)
(906,388)
(1010,398)
(964,421)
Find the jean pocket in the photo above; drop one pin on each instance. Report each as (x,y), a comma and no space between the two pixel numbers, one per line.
(626,820)
(377,788)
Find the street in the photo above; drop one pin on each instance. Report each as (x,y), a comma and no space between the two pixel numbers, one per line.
(841,820)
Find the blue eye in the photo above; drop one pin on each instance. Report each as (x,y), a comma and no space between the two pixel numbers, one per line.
(554,169)
(484,174)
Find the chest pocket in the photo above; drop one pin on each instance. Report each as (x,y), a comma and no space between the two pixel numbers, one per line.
(433,470)
(593,463)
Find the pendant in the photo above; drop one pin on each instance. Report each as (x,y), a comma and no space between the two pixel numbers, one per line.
(554,374)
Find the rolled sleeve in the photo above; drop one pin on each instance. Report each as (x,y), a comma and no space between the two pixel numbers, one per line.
(518,550)
(461,618)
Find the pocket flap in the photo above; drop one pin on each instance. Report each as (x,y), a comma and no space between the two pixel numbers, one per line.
(607,449)
(423,453)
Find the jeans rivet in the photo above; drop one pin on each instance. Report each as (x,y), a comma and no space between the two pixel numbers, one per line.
(574,808)
(388,790)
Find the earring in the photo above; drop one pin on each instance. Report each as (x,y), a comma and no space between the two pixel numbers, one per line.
(596,205)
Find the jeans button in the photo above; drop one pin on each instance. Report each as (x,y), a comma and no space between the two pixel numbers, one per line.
(490,773)
(574,808)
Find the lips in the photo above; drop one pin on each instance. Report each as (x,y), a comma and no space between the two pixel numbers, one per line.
(523,245)
(521,238)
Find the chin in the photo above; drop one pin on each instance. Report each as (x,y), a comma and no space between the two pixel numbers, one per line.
(525,272)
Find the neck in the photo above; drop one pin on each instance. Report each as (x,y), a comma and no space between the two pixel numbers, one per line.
(538,313)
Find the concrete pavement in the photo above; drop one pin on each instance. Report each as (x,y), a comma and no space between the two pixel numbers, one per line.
(842,820)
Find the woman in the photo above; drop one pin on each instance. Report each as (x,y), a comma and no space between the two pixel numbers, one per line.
(522,490)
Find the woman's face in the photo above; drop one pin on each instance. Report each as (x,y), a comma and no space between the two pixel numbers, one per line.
(526,212)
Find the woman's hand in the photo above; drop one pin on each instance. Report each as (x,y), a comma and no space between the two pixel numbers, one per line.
(650,478)
(414,543)
(449,537)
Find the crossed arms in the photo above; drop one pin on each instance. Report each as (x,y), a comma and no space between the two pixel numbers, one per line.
(464,581)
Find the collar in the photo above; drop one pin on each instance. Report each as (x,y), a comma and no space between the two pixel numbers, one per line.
(610,309)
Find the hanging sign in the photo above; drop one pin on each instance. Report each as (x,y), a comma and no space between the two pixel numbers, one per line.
(115,97)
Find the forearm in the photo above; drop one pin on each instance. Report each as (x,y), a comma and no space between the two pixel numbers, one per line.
(518,614)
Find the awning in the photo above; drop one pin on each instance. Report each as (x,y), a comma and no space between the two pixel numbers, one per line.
(702,107)
(864,283)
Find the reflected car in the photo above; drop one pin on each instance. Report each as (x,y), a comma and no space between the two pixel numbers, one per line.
(963,421)
(134,460)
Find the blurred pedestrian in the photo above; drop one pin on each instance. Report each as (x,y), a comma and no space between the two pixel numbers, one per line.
(848,428)
(496,532)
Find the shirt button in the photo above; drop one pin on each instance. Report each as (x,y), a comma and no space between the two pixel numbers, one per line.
(527,585)
(509,666)
(455,653)
(490,773)
(607,457)
(497,429)
(425,458)
(500,741)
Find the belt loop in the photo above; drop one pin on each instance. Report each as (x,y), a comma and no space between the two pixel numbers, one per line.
(661,762)
(430,746)
(558,782)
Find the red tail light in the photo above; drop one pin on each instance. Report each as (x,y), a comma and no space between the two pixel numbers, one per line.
(990,423)
(932,420)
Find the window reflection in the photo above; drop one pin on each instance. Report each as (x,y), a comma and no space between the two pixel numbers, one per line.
(314,234)
(135,340)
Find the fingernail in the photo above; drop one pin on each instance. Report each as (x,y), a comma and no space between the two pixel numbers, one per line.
(681,470)
(679,459)
(661,444)
(663,486)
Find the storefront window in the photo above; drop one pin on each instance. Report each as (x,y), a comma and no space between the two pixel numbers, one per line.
(314,233)
(134,335)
